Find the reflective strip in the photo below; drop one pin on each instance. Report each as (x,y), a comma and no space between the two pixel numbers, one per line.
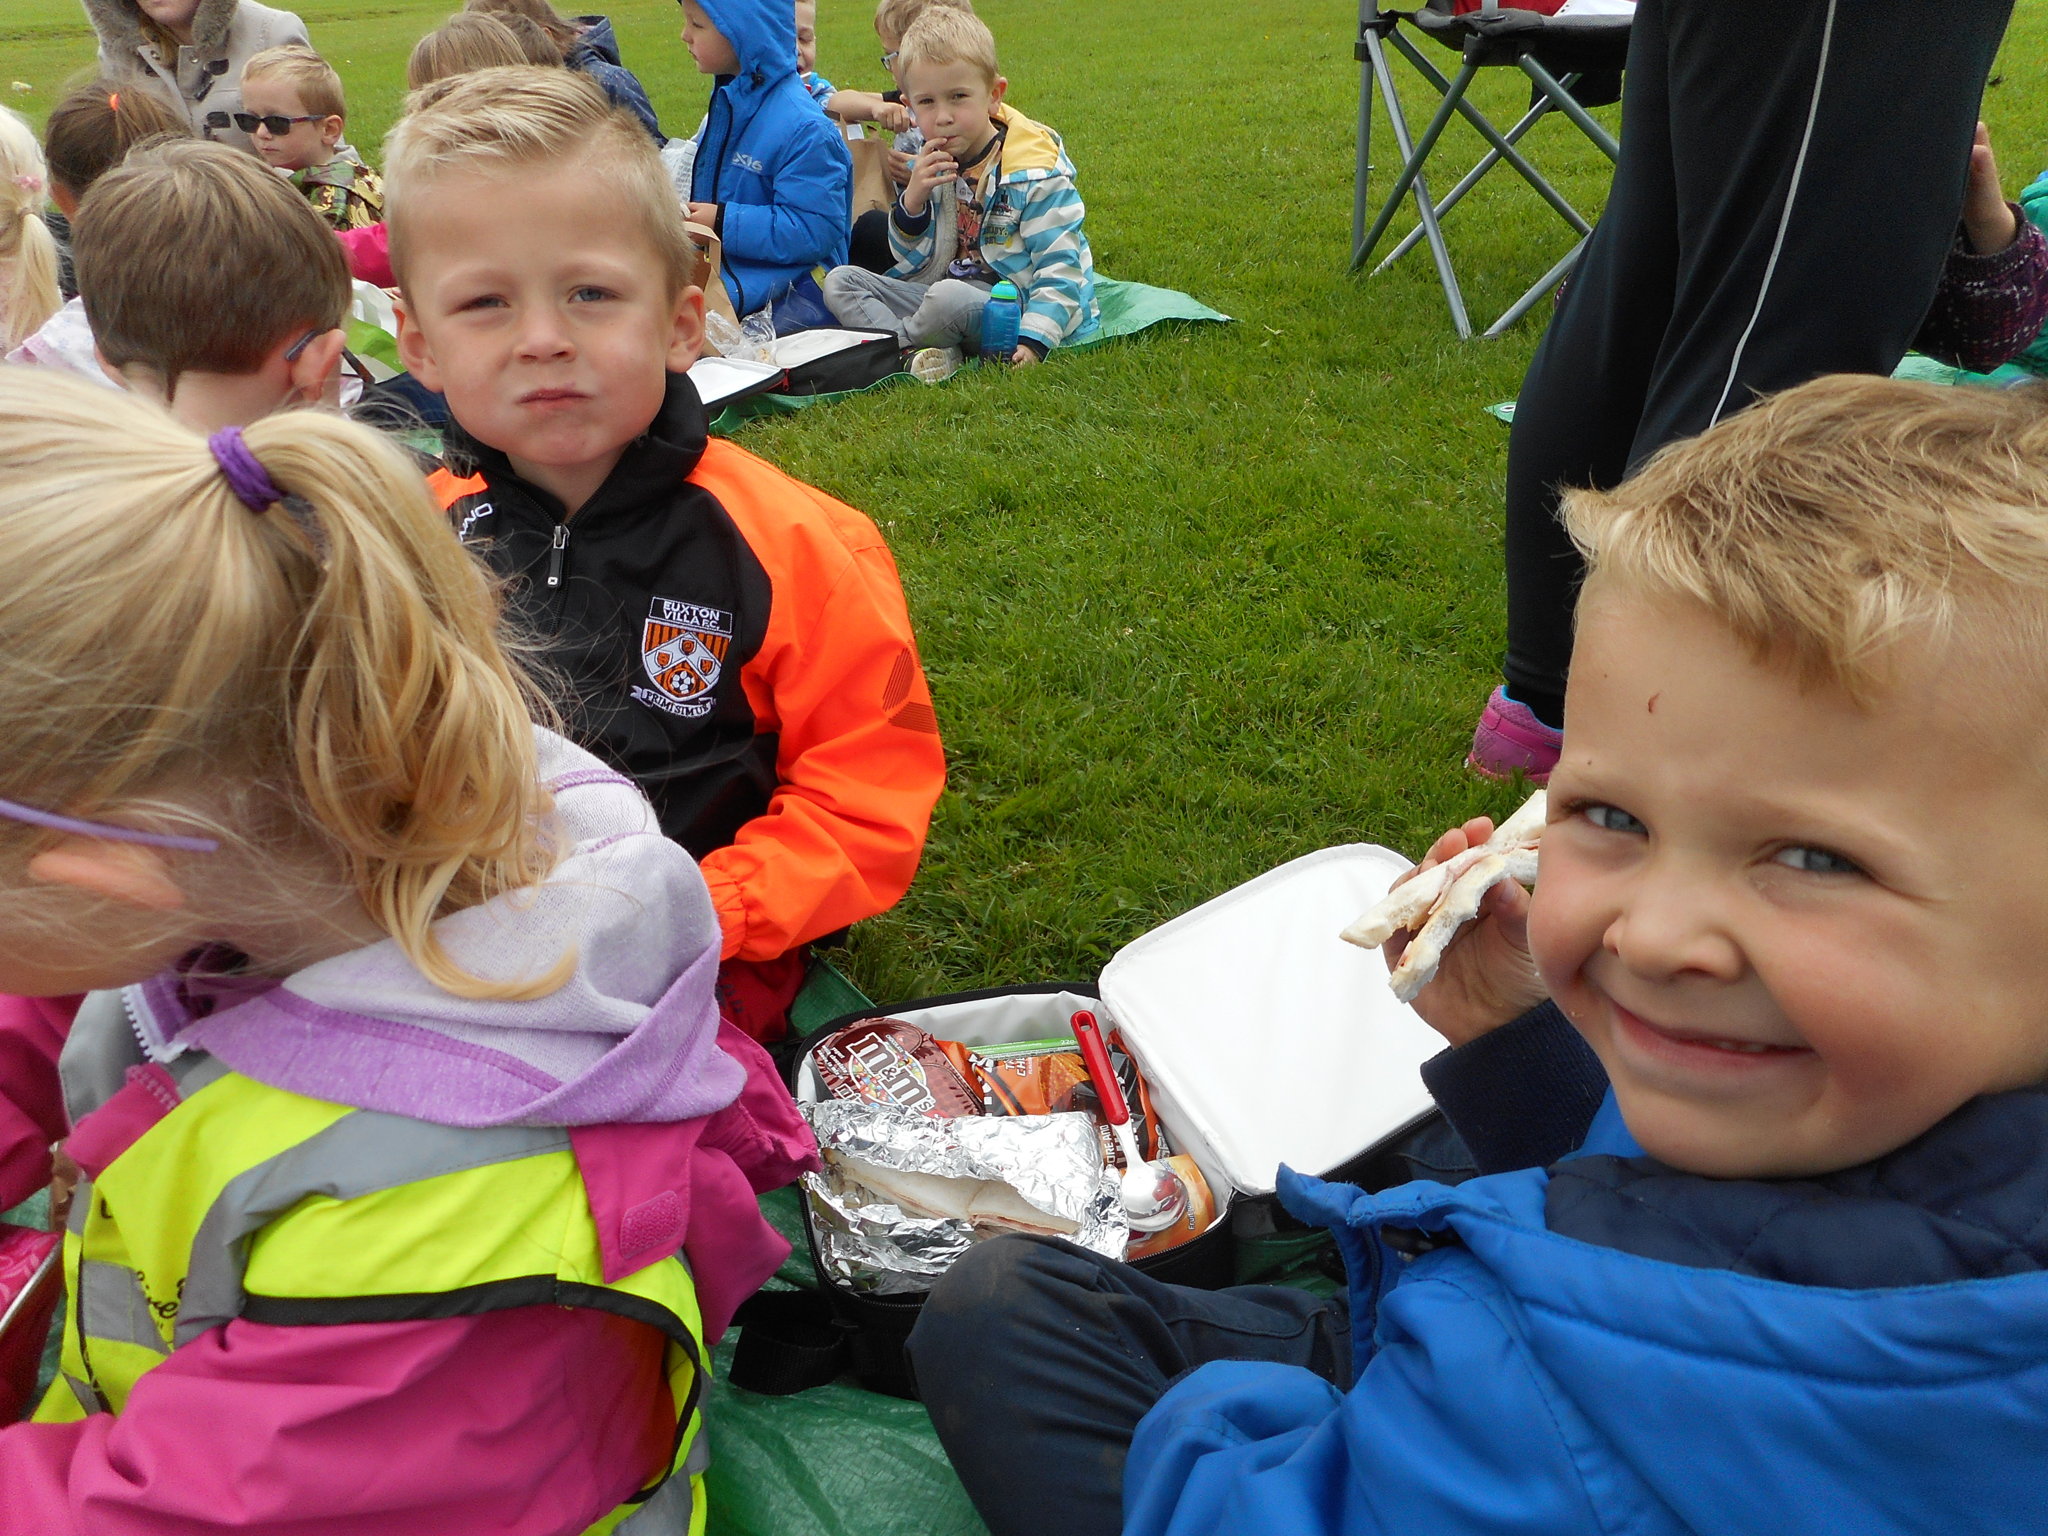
(112,1304)
(86,1398)
(99,1048)
(194,1070)
(81,1207)
(698,1462)
(668,1512)
(360,1154)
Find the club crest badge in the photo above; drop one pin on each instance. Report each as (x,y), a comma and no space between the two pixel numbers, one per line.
(683,647)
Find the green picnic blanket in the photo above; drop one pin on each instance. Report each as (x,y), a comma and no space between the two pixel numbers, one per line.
(1126,309)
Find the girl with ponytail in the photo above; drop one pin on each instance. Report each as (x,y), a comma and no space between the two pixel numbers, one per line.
(399,1087)
(28,252)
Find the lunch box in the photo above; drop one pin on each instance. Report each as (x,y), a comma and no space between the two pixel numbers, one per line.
(1264,1038)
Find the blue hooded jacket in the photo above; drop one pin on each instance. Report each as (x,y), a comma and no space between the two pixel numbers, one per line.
(1525,1383)
(778,169)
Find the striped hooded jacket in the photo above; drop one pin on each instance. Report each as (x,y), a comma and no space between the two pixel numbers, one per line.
(1046,256)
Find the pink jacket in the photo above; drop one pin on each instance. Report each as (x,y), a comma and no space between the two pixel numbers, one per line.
(530,1422)
(369,254)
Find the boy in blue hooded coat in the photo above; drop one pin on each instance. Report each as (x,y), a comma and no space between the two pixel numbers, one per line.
(1793,894)
(772,173)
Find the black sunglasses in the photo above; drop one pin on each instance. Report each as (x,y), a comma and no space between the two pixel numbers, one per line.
(278,126)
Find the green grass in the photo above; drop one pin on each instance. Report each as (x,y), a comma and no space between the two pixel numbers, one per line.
(1193,604)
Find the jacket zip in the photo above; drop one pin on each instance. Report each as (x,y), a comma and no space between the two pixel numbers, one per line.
(555,556)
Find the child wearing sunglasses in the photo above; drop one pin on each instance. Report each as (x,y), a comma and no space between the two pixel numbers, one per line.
(294,113)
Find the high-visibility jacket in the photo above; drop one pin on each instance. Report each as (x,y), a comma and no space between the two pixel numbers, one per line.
(738,643)
(253,1202)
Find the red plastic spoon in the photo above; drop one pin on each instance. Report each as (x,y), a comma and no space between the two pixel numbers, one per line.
(1154,1197)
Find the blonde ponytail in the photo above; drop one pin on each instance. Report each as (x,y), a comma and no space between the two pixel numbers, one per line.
(29,294)
(161,644)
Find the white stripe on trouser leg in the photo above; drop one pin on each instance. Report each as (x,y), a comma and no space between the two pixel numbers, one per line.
(1820,75)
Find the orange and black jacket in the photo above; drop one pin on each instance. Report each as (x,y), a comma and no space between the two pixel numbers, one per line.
(738,643)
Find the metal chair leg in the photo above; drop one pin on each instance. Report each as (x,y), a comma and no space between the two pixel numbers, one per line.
(1493,135)
(1414,154)
(1362,177)
(1471,179)
(1568,104)
(1542,285)
(1413,158)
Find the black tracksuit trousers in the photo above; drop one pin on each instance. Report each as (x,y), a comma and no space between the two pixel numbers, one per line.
(1790,183)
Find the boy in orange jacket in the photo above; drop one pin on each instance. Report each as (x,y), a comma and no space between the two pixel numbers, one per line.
(733,639)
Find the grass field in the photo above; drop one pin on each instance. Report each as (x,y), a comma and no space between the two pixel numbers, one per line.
(1194,604)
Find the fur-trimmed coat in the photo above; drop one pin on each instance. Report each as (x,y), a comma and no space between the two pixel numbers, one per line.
(205,78)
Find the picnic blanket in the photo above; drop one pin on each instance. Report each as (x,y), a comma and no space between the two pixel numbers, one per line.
(1126,309)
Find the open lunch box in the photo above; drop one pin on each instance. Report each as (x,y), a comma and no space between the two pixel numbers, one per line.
(1263,1039)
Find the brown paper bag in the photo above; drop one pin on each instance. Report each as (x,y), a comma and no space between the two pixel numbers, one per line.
(871,186)
(716,300)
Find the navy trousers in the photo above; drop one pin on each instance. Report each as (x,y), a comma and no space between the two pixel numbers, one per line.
(1036,1360)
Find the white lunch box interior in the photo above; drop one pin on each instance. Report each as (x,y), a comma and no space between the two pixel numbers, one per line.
(722,378)
(1265,1037)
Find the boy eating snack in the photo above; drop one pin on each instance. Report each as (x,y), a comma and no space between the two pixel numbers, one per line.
(1793,893)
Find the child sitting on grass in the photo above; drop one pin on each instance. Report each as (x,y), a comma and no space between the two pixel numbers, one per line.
(733,639)
(1792,894)
(148,244)
(29,292)
(419,1171)
(991,197)
(294,112)
(586,44)
(771,176)
(86,135)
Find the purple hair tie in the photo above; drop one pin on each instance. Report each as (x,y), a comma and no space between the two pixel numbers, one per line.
(244,473)
(15,811)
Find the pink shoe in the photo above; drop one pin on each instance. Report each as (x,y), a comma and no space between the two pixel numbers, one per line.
(1511,740)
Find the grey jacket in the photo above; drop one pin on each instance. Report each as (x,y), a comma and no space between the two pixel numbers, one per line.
(206,77)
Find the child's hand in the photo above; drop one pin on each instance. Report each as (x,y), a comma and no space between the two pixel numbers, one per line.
(1487,978)
(933,167)
(1988,219)
(895,117)
(899,166)
(703,213)
(1023,357)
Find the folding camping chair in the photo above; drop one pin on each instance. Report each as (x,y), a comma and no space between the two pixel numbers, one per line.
(1557,53)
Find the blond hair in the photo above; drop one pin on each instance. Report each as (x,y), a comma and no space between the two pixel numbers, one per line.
(945,36)
(561,31)
(499,120)
(28,255)
(893,17)
(194,256)
(465,42)
(326,672)
(319,87)
(1828,523)
(91,130)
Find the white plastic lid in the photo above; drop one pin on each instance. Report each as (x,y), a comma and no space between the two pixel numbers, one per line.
(1265,1037)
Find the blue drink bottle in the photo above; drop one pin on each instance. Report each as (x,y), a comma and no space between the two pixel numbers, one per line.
(999,319)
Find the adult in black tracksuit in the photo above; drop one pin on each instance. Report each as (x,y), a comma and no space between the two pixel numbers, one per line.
(1791,178)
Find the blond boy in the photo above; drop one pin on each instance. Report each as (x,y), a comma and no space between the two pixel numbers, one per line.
(991,197)
(1793,894)
(148,242)
(735,641)
(295,114)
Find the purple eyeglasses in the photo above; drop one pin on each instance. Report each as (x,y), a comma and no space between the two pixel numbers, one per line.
(15,811)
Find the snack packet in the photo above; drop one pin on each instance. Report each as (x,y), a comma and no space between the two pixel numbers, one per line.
(1195,1220)
(889,1062)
